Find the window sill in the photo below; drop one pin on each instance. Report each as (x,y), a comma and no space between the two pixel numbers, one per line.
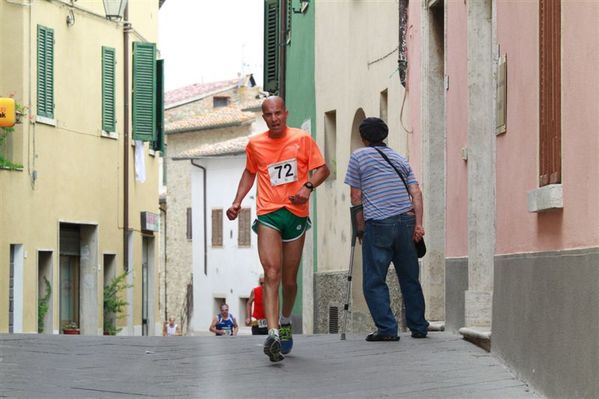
(46,121)
(110,135)
(546,198)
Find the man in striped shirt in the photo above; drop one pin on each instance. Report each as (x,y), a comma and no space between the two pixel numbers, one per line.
(390,223)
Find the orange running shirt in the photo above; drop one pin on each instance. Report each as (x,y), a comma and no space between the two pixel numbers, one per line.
(282,165)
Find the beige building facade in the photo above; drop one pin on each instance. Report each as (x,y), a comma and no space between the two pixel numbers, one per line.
(67,190)
(361,80)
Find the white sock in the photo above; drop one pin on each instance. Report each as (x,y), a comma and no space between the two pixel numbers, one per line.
(274,332)
(285,320)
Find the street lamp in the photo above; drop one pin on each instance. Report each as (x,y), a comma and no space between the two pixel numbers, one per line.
(114,9)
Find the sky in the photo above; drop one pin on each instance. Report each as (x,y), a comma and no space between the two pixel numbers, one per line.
(205,41)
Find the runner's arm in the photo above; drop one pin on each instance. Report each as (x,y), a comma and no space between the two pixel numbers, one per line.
(316,178)
(213,327)
(245,184)
(248,319)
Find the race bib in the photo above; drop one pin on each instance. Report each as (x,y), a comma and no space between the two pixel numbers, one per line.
(283,172)
(262,323)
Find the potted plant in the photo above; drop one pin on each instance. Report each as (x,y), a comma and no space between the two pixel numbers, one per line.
(70,328)
(43,305)
(114,305)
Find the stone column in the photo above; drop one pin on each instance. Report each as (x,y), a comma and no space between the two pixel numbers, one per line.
(481,165)
(433,158)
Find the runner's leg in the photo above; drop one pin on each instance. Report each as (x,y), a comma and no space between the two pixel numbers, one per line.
(292,254)
(270,250)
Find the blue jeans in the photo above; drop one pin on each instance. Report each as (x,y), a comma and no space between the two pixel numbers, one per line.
(384,241)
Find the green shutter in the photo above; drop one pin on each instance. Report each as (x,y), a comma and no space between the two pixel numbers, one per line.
(45,71)
(158,145)
(108,90)
(271,45)
(144,91)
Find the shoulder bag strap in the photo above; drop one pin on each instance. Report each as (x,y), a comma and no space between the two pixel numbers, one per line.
(393,166)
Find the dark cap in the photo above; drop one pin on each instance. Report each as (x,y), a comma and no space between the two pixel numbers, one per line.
(374,129)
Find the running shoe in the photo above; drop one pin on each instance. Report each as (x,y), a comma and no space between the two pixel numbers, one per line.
(286,338)
(272,348)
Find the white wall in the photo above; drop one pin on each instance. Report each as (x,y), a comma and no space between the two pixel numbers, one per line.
(232,272)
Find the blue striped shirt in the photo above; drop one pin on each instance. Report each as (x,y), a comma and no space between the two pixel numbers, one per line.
(383,193)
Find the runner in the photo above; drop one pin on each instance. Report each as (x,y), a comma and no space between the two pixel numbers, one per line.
(282,158)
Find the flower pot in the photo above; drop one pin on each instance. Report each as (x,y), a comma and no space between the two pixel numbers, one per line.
(70,331)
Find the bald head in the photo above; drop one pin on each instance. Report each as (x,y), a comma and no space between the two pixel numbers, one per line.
(274,114)
(273,100)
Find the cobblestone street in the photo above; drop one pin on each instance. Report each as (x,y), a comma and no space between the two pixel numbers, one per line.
(320,366)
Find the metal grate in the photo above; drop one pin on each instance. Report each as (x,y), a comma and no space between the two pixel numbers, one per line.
(333,319)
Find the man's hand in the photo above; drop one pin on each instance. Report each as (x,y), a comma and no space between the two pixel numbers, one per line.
(233,211)
(301,197)
(248,321)
(418,233)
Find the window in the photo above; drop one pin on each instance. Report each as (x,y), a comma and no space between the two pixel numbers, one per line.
(244,233)
(217,227)
(271,45)
(330,141)
(108,90)
(384,105)
(189,226)
(549,92)
(45,72)
(220,101)
(144,91)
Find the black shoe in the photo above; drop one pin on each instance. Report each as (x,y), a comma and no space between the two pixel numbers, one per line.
(375,336)
(416,334)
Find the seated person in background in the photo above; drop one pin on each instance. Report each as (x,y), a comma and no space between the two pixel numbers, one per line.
(257,319)
(224,323)
(170,328)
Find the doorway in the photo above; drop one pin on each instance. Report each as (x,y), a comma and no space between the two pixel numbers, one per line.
(148,288)
(109,274)
(44,287)
(69,290)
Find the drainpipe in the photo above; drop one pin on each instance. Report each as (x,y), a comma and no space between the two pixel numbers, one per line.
(282,47)
(205,220)
(163,208)
(126,149)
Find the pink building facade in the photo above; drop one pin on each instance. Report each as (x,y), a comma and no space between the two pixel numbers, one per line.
(521,245)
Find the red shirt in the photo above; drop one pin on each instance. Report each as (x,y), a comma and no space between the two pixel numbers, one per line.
(258,312)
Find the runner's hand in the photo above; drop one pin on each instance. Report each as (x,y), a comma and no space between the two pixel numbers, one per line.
(302,196)
(233,211)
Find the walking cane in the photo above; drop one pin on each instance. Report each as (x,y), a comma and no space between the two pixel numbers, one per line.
(354,210)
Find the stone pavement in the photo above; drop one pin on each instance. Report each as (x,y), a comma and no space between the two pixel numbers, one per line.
(320,366)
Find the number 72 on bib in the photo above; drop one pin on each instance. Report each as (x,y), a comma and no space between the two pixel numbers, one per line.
(283,172)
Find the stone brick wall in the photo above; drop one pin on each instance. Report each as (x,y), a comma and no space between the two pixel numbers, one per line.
(330,290)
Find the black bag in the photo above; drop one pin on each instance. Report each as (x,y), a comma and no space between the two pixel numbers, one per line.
(420,245)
